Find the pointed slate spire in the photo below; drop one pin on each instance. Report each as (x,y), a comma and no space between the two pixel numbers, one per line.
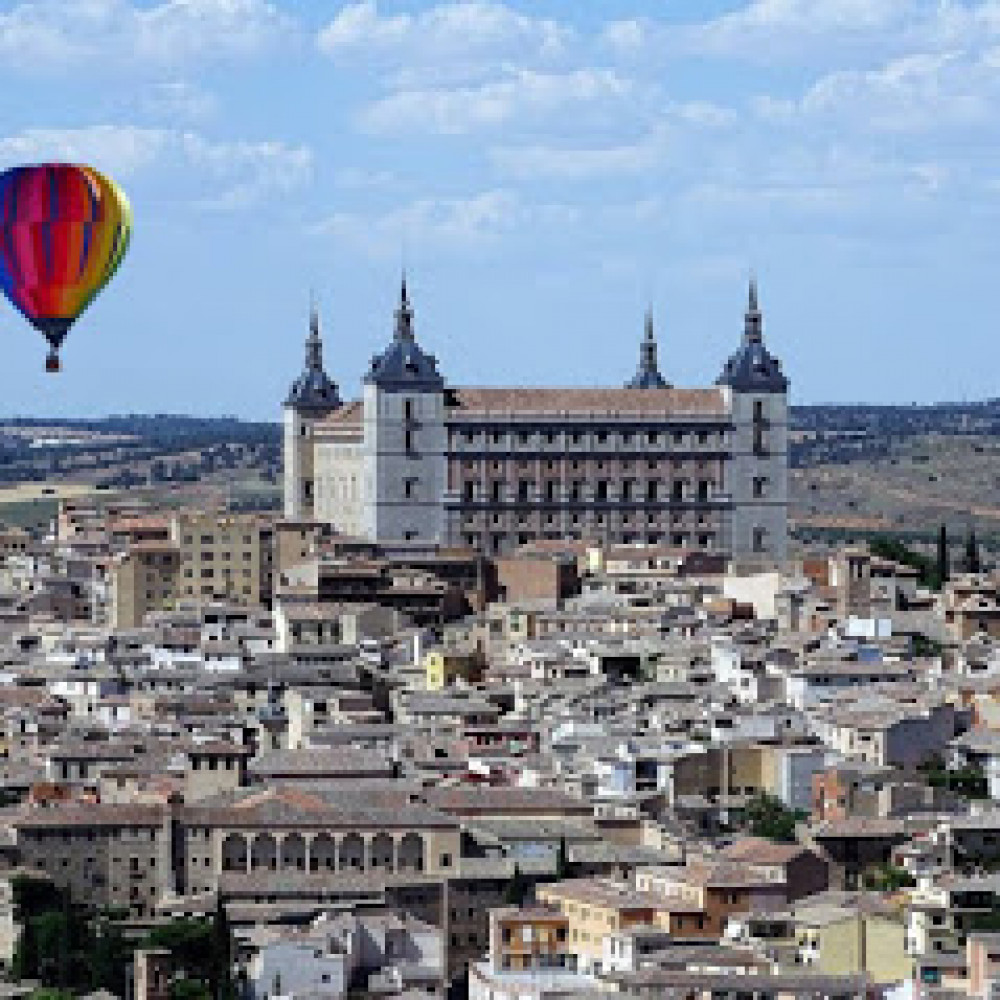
(648,374)
(314,344)
(404,364)
(313,390)
(753,323)
(404,314)
(753,368)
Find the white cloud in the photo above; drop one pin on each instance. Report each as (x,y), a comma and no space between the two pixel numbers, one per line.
(466,31)
(444,223)
(45,34)
(521,94)
(625,37)
(248,171)
(810,31)
(182,29)
(178,99)
(765,27)
(119,150)
(577,163)
(672,126)
(427,222)
(921,92)
(226,175)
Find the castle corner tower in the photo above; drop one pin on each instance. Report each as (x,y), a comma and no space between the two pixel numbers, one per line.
(405,440)
(313,395)
(757,479)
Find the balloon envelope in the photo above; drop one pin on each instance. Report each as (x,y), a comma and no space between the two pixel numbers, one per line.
(64,230)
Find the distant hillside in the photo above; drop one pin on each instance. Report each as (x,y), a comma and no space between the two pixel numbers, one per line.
(168,431)
(837,434)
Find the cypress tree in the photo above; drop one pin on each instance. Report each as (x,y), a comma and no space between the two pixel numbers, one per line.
(942,556)
(516,888)
(25,964)
(972,561)
(562,860)
(222,954)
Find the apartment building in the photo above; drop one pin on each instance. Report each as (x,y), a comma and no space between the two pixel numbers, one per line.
(204,556)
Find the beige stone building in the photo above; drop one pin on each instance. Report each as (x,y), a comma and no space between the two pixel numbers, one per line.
(108,856)
(225,556)
(131,856)
(145,578)
(207,555)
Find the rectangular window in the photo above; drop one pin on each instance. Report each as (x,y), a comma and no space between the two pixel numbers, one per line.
(759,539)
(602,489)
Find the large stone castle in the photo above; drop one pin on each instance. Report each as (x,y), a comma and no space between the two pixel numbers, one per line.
(417,460)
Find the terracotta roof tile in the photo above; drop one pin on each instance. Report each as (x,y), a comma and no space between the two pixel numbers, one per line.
(586,400)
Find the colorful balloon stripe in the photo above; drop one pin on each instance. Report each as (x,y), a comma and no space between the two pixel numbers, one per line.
(64,230)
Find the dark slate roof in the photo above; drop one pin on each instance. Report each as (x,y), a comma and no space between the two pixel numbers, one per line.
(648,375)
(313,389)
(753,368)
(404,364)
(647,380)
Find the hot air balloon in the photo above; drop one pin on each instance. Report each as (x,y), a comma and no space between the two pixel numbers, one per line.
(64,230)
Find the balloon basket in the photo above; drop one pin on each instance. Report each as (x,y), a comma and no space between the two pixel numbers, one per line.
(52,363)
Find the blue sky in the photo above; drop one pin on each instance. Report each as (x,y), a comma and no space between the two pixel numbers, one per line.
(545,170)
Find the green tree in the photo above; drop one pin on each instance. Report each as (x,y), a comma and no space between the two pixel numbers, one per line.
(767,816)
(516,890)
(189,941)
(109,957)
(888,547)
(943,565)
(221,975)
(562,860)
(888,878)
(972,561)
(189,989)
(25,963)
